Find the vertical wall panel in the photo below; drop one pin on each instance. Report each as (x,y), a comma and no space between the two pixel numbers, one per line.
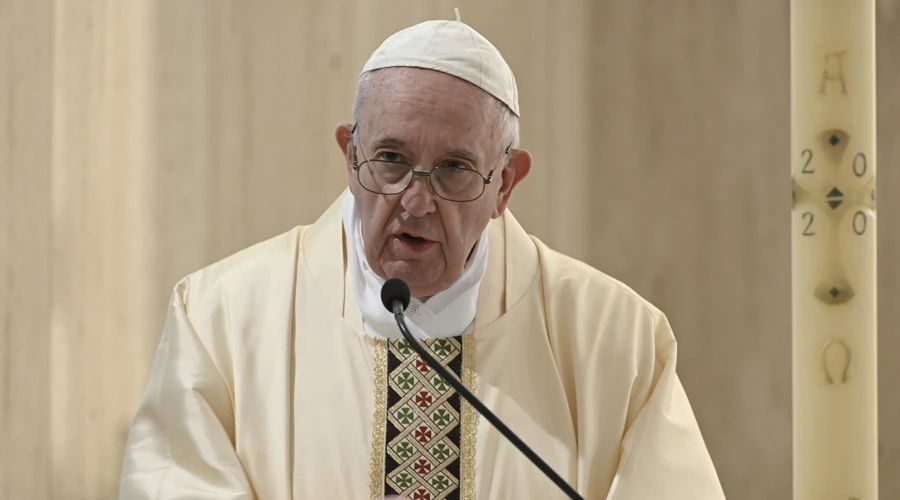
(98,356)
(887,26)
(26,43)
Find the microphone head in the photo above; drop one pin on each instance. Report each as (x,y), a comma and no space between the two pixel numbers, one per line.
(392,290)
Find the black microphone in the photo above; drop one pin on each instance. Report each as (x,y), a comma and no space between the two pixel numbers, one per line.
(395,297)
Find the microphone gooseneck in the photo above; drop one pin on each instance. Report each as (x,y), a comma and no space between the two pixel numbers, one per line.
(395,296)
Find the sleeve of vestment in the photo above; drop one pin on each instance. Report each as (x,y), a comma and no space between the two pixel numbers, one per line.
(662,454)
(181,443)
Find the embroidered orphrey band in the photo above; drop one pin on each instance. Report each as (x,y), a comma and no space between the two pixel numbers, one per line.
(423,442)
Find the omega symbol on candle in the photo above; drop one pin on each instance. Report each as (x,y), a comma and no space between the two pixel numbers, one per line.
(830,346)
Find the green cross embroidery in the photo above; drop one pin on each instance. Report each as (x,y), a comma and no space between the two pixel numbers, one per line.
(405,415)
(403,480)
(404,348)
(405,380)
(441,451)
(440,384)
(440,482)
(442,348)
(404,450)
(442,417)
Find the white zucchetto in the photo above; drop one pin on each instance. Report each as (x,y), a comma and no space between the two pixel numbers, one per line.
(451,47)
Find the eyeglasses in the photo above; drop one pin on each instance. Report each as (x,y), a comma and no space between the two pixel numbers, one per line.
(451,180)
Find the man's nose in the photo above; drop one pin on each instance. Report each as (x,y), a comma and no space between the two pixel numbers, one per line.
(419,198)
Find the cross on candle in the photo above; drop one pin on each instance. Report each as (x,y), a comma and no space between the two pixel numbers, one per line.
(833,187)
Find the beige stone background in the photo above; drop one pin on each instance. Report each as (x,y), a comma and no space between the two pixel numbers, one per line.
(140,140)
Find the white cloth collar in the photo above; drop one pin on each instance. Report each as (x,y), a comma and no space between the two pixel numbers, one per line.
(450,313)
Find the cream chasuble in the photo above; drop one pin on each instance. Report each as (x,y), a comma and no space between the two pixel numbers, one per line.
(265,386)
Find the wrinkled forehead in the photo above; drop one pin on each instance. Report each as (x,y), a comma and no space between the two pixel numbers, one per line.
(425,109)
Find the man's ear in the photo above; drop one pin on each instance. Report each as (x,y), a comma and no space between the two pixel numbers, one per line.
(344,136)
(516,169)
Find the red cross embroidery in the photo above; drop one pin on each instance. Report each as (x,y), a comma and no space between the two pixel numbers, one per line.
(423,399)
(423,466)
(423,434)
(422,366)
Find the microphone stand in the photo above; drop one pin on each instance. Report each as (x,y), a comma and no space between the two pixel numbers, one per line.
(397,307)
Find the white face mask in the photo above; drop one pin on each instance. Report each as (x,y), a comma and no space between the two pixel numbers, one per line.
(450,313)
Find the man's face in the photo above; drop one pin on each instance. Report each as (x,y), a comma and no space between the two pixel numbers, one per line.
(427,118)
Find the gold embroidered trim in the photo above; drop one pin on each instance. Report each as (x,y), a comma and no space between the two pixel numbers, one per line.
(419,441)
(412,382)
(379,421)
(469,422)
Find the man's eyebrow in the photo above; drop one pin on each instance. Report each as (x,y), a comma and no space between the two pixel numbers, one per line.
(462,153)
(389,141)
(400,143)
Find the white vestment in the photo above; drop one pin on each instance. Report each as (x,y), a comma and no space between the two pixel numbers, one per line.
(267,386)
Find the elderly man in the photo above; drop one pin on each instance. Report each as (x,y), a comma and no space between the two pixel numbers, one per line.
(280,374)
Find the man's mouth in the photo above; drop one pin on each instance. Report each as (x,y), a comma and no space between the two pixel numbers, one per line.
(413,243)
(417,239)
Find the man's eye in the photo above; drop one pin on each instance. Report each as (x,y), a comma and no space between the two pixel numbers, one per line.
(390,156)
(455,165)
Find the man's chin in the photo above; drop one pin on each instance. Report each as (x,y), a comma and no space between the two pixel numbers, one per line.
(419,277)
